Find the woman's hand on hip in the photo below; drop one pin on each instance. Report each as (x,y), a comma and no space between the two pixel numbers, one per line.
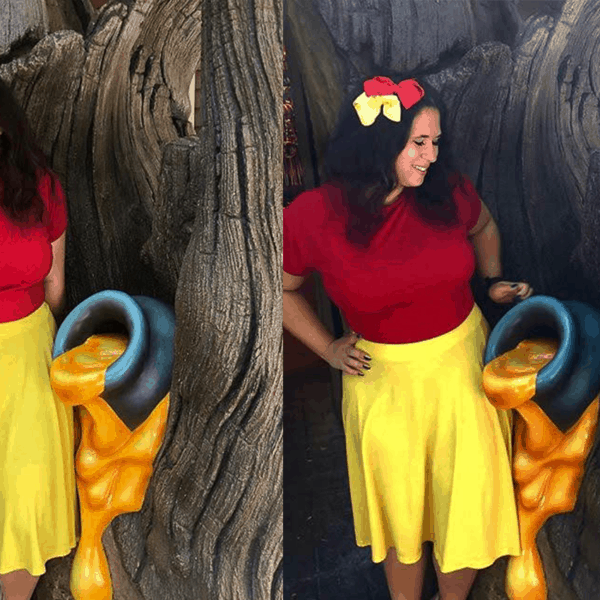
(342,354)
(504,292)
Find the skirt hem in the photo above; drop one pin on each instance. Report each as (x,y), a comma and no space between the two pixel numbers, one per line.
(54,554)
(466,564)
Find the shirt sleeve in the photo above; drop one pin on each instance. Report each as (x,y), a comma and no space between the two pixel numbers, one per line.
(53,197)
(298,231)
(468,202)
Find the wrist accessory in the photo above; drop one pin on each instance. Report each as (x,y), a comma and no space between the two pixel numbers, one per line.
(382,93)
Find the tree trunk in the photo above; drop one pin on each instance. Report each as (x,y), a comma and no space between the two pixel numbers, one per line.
(155,210)
(224,459)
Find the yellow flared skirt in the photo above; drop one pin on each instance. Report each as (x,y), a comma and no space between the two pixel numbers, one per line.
(428,455)
(37,478)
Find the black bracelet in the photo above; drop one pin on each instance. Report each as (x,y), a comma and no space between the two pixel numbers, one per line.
(490,281)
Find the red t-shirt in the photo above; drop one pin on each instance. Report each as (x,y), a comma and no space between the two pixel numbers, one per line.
(26,253)
(410,284)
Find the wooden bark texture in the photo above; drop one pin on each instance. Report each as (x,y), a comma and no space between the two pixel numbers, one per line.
(69,14)
(119,95)
(549,7)
(416,34)
(216,527)
(399,35)
(21,20)
(322,72)
(496,21)
(158,211)
(590,217)
(562,116)
(523,125)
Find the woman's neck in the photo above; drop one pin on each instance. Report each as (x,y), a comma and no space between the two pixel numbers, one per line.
(393,195)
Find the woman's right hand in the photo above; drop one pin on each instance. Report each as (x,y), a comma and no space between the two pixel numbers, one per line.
(342,354)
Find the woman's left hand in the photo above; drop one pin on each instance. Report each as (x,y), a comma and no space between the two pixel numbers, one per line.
(504,292)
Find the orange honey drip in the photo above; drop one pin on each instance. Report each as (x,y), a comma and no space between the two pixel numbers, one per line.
(548,464)
(113,464)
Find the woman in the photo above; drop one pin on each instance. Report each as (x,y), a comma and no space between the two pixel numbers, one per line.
(37,486)
(396,235)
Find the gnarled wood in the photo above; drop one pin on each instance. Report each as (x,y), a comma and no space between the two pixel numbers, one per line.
(235,298)
(399,35)
(21,21)
(497,21)
(590,213)
(323,73)
(70,14)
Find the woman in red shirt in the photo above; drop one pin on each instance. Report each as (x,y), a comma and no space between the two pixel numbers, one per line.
(37,487)
(396,235)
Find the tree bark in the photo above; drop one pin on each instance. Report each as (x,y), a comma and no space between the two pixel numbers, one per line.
(22,22)
(563,120)
(224,458)
(401,36)
(323,73)
(155,210)
(70,14)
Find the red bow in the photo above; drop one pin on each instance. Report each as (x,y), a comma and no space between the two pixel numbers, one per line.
(408,91)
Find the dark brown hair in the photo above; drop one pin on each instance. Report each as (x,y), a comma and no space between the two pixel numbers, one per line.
(21,162)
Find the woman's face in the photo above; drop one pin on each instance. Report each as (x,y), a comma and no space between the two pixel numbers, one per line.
(421,149)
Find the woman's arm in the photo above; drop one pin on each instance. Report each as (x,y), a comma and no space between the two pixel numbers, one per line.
(54,284)
(302,322)
(486,241)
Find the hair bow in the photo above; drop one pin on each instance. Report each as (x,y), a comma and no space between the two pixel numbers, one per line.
(382,93)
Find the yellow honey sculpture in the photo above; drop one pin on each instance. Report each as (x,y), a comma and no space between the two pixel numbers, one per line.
(113,464)
(548,465)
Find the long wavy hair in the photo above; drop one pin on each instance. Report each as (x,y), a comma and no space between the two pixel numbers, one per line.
(21,162)
(361,160)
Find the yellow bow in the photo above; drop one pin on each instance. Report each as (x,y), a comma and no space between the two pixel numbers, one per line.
(368,107)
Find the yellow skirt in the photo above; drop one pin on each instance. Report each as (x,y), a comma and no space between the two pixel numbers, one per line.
(37,481)
(428,455)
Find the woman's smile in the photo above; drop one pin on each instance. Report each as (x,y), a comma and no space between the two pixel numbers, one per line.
(422,145)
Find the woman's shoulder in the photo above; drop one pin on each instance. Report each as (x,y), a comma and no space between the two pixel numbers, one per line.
(305,229)
(463,190)
(49,188)
(461,184)
(47,181)
(466,199)
(317,204)
(52,195)
(318,196)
